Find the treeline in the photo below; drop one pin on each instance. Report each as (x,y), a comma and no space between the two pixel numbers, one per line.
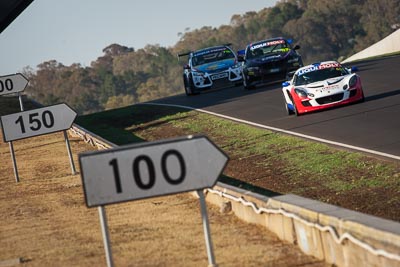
(325,29)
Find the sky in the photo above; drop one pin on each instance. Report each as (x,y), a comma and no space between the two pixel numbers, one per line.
(77,31)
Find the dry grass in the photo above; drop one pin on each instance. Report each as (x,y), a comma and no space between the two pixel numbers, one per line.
(45,221)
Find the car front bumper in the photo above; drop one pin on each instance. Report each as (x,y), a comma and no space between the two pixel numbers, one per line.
(211,80)
(338,99)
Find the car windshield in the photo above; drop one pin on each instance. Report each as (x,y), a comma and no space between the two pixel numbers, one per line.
(210,56)
(265,48)
(319,75)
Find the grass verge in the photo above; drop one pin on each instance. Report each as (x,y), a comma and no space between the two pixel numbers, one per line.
(264,159)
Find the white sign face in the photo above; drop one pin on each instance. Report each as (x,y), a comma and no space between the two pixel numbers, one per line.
(12,84)
(37,122)
(150,169)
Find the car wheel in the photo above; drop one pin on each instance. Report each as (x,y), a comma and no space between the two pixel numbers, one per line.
(362,97)
(246,85)
(288,110)
(294,111)
(237,84)
(189,86)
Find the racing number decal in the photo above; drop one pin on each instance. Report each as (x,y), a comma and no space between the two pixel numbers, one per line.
(6,85)
(35,124)
(148,163)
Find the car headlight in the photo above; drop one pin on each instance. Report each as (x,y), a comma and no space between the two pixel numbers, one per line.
(253,68)
(301,93)
(353,81)
(197,73)
(237,65)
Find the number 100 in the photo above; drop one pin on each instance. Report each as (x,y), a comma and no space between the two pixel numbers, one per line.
(148,162)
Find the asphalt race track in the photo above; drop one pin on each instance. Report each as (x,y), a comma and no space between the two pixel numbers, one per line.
(371,125)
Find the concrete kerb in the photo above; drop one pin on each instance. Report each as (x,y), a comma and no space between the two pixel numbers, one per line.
(336,235)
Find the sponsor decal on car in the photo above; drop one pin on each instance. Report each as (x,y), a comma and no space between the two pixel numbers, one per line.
(267,44)
(271,58)
(318,67)
(200,53)
(274,70)
(331,87)
(219,76)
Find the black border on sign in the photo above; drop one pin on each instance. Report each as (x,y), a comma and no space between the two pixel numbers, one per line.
(18,73)
(2,128)
(136,146)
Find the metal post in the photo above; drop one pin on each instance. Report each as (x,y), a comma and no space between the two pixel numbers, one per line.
(206,228)
(20,102)
(71,160)
(14,161)
(106,238)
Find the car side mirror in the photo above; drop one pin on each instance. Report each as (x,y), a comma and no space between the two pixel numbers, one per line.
(296,47)
(186,67)
(240,55)
(354,69)
(285,84)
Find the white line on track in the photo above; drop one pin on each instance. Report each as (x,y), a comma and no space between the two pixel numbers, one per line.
(282,131)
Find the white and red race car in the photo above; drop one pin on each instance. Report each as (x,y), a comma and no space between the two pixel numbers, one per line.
(321,85)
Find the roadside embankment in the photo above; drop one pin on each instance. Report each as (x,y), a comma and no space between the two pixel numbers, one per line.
(330,233)
(388,45)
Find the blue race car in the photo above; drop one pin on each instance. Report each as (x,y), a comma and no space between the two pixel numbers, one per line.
(210,68)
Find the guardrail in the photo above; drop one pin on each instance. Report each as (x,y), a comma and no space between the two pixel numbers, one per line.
(338,236)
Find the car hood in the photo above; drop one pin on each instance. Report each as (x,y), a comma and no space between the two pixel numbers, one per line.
(268,58)
(331,84)
(216,66)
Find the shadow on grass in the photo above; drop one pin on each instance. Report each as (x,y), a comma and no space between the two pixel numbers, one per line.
(246,186)
(11,104)
(116,125)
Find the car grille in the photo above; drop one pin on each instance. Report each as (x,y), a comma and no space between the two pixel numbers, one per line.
(220,83)
(232,75)
(329,99)
(207,81)
(274,64)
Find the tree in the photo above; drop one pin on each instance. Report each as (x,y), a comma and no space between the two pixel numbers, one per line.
(325,29)
(379,19)
(119,101)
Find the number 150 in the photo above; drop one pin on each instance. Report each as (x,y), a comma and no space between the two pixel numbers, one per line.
(35,122)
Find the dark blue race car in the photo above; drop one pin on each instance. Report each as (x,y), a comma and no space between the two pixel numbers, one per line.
(267,61)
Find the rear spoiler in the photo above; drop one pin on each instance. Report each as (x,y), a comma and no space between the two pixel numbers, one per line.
(183,54)
(188,53)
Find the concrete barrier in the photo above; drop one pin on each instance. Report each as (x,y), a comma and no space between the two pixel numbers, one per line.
(388,45)
(338,236)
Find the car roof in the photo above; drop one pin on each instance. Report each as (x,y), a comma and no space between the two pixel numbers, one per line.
(210,48)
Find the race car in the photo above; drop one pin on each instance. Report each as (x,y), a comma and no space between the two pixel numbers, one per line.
(210,68)
(321,85)
(267,61)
